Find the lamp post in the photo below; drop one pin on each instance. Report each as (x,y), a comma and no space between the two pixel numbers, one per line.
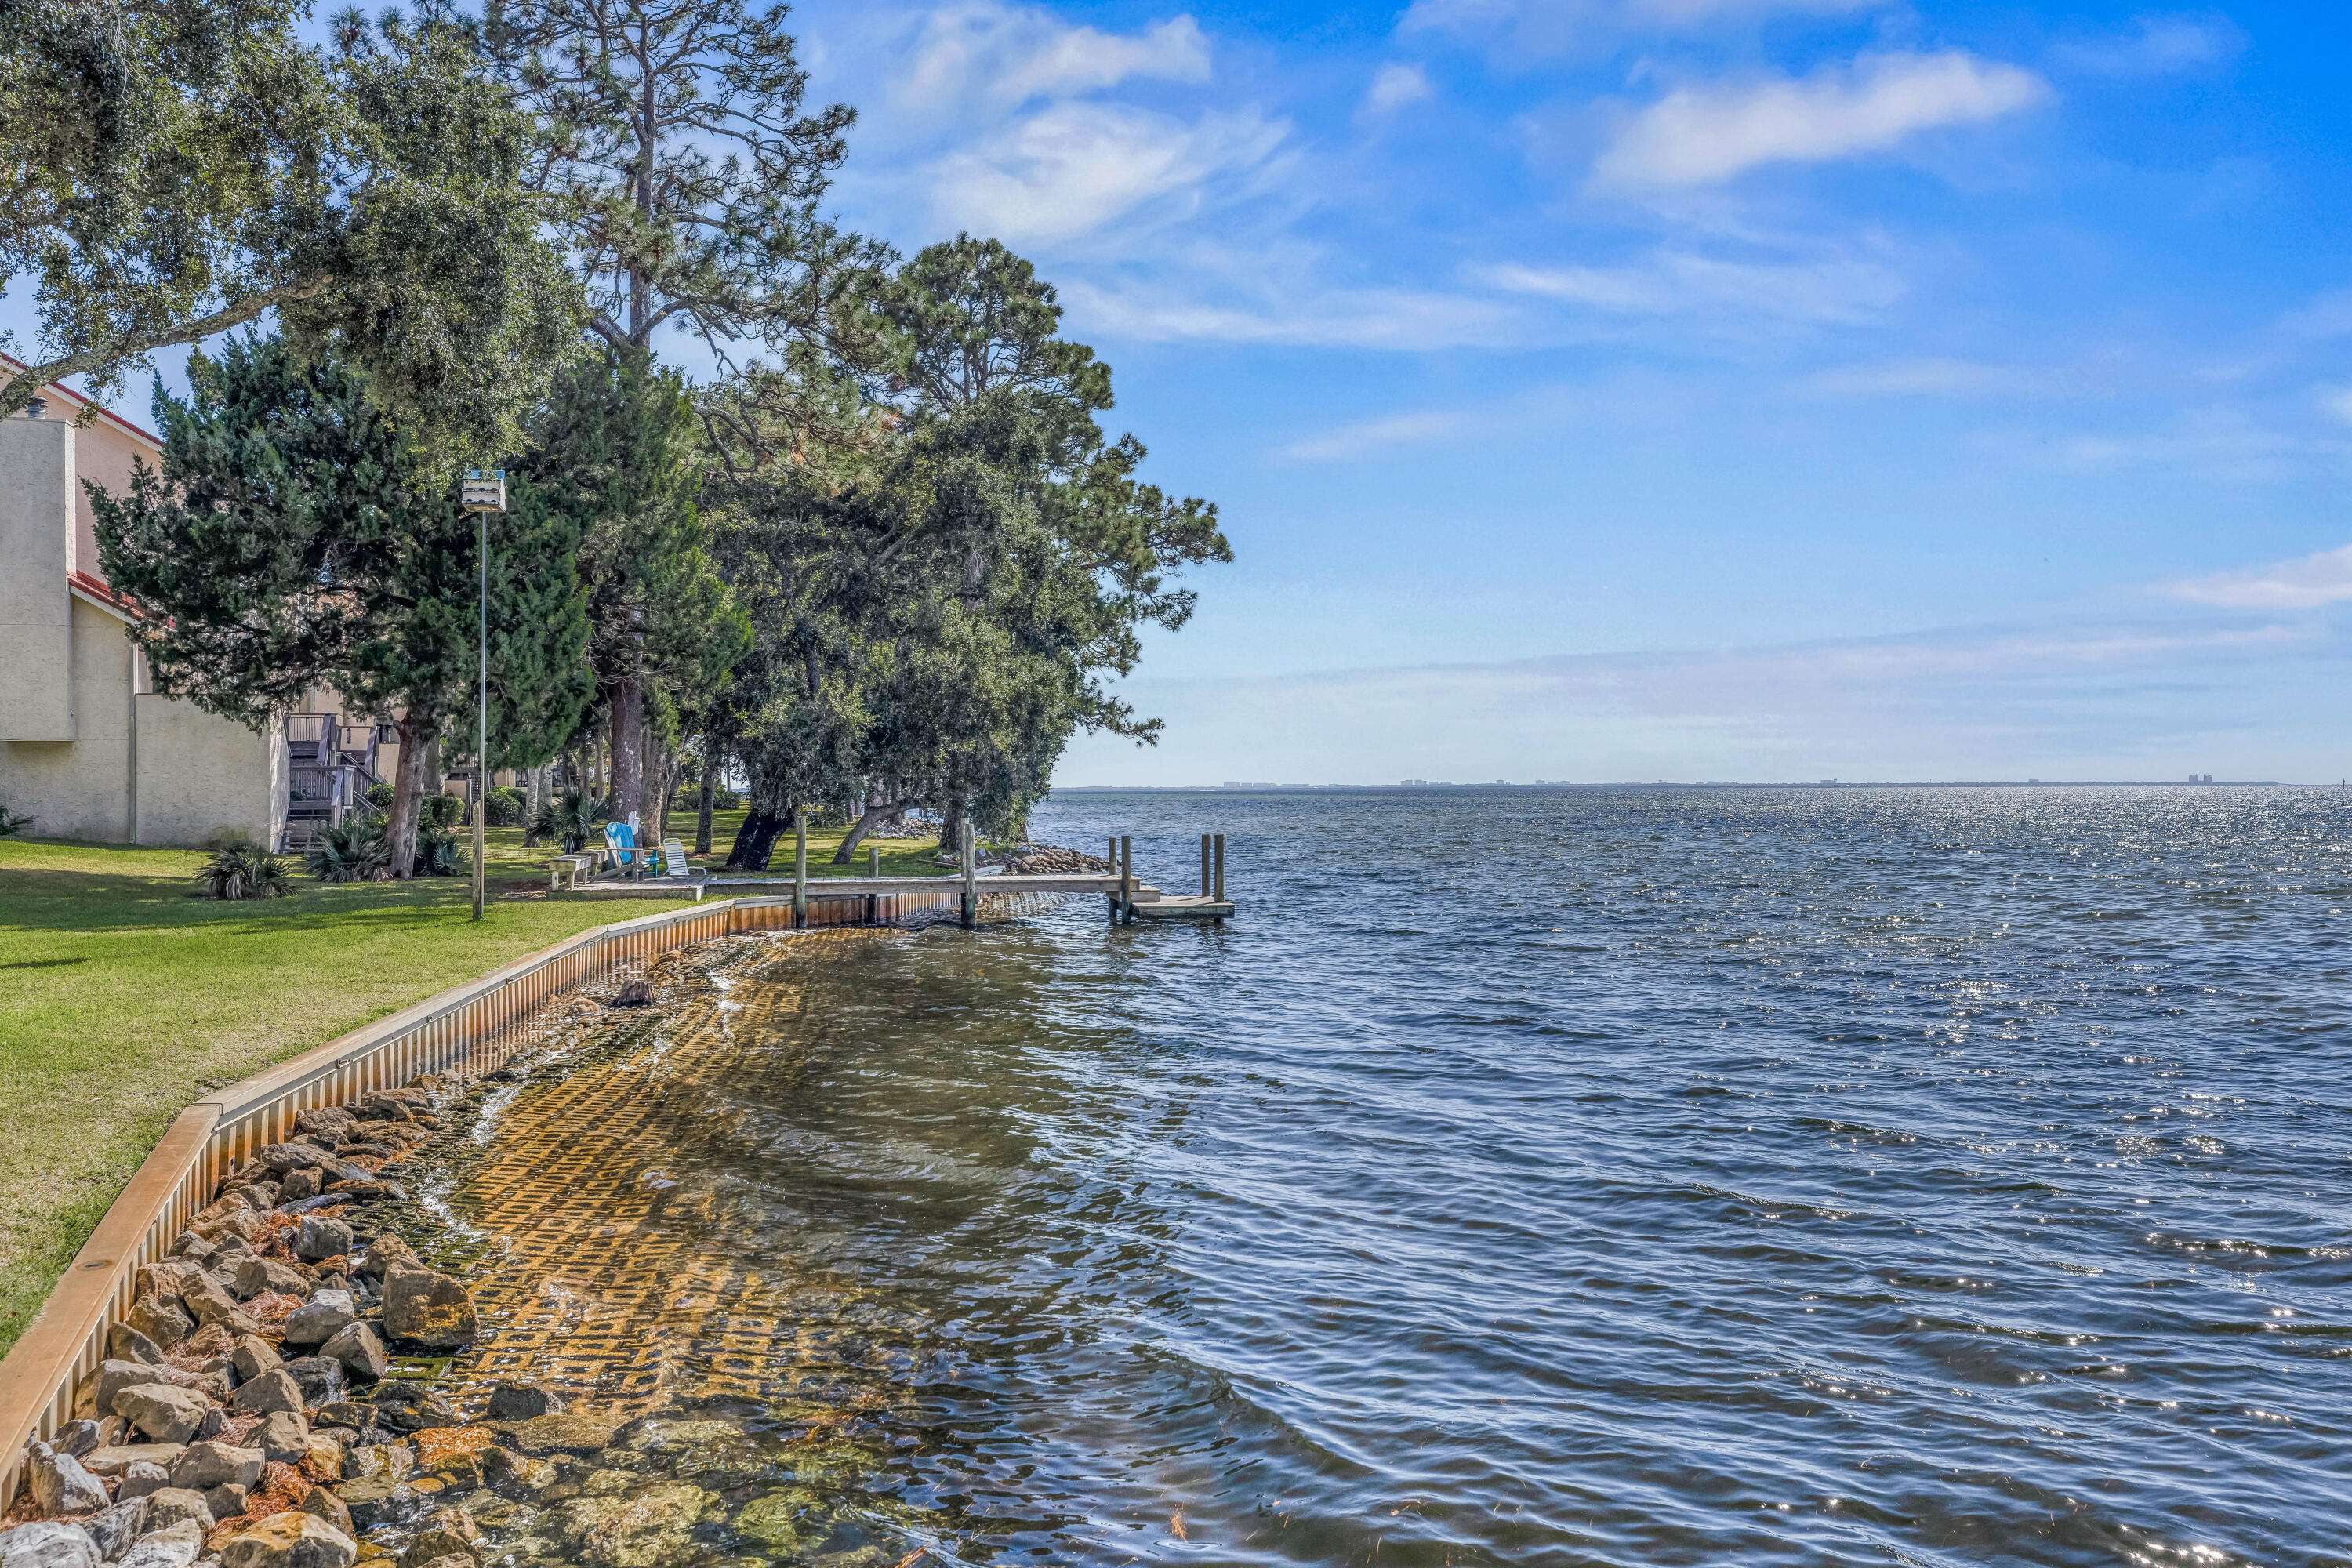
(483,492)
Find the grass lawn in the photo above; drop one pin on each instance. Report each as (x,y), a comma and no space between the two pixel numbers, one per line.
(124,996)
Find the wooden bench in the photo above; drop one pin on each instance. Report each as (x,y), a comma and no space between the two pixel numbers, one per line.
(571,870)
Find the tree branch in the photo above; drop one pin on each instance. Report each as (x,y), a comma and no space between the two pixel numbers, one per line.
(26,384)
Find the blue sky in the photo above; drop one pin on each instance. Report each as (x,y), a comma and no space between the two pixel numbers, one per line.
(1756,389)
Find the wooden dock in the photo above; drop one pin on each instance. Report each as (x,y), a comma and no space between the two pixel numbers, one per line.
(1128,900)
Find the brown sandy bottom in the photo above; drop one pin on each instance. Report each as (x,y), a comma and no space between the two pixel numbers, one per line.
(729,1410)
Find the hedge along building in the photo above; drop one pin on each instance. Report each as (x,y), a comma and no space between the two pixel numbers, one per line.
(89,749)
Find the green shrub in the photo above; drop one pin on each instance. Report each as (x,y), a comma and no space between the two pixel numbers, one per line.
(11,824)
(241,869)
(353,850)
(379,796)
(437,852)
(725,800)
(441,811)
(568,820)
(506,807)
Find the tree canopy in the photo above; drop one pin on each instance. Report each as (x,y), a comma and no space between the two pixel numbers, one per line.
(176,168)
(296,537)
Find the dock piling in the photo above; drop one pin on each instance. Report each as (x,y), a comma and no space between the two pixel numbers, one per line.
(970,873)
(1126,879)
(1204,865)
(800,866)
(1219,891)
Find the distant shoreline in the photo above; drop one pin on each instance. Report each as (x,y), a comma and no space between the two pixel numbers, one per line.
(1660,783)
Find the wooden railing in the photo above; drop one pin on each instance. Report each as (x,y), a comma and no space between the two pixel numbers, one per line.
(471,1028)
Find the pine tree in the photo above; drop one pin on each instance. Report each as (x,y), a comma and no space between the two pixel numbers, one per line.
(297,536)
(614,449)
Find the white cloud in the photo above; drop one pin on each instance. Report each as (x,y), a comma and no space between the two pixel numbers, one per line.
(1374,436)
(1394,86)
(1948,378)
(1400,320)
(2158,46)
(2338,401)
(2303,584)
(1530,27)
(1071,169)
(990,57)
(1704,135)
(1681,283)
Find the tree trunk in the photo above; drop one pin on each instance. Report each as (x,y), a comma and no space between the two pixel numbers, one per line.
(955,825)
(756,840)
(709,784)
(872,817)
(628,702)
(420,737)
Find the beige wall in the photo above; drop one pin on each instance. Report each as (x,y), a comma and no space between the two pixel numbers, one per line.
(103,453)
(79,752)
(81,788)
(37,484)
(198,774)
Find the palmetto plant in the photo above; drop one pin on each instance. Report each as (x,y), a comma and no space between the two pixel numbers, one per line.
(437,852)
(243,870)
(12,823)
(351,850)
(567,817)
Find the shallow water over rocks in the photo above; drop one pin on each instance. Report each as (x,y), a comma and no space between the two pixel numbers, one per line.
(1934,1176)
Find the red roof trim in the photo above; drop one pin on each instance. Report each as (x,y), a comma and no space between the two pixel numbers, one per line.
(108,415)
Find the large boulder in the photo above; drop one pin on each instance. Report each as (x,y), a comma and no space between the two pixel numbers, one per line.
(141,1478)
(114,1377)
(428,1309)
(332,1120)
(177,1505)
(77,1438)
(60,1483)
(166,1414)
(284,1438)
(519,1401)
(322,1236)
(329,1313)
(320,1377)
(253,1275)
(160,1320)
(301,1184)
(117,1461)
(379,1500)
(211,1304)
(360,1353)
(388,1252)
(173,1547)
(329,1507)
(273,1390)
(291,1539)
(253,1356)
(208,1465)
(124,1342)
(112,1528)
(48,1544)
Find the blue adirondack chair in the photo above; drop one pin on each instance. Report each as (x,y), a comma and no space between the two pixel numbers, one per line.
(621,852)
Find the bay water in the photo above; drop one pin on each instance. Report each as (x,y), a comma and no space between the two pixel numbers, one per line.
(1541,1176)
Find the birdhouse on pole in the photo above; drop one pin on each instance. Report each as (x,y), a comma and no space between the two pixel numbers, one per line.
(484,489)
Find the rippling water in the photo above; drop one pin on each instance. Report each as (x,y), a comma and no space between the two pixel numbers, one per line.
(1578,1176)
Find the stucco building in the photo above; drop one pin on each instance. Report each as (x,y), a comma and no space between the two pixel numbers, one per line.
(88,748)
